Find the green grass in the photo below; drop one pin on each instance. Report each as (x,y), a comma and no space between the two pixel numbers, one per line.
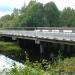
(63,67)
(8,47)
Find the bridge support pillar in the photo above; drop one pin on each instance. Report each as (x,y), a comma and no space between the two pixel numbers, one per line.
(69,50)
(41,51)
(61,48)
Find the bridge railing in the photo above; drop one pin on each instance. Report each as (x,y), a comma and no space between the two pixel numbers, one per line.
(39,28)
(40,32)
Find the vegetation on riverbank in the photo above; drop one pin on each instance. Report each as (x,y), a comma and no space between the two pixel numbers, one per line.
(64,67)
(59,66)
(10,49)
(8,46)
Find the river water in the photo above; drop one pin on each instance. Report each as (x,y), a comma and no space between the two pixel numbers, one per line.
(7,63)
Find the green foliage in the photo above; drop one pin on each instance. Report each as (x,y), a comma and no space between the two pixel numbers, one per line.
(36,14)
(51,14)
(29,69)
(65,67)
(33,15)
(67,17)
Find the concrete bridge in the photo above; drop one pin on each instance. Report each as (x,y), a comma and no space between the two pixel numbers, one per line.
(45,41)
(41,34)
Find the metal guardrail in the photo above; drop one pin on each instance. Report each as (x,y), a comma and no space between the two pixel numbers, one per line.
(40,28)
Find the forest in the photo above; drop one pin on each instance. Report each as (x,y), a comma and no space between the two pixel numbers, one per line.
(36,14)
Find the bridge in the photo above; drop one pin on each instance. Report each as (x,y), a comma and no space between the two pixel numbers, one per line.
(41,37)
(41,33)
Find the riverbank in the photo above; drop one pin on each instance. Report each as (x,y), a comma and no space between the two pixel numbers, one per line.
(61,67)
(13,50)
(10,49)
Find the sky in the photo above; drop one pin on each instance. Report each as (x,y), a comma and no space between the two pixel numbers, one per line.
(7,6)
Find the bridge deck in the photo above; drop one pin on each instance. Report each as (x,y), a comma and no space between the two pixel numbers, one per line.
(68,36)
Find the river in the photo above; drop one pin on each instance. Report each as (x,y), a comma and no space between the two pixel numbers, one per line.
(7,63)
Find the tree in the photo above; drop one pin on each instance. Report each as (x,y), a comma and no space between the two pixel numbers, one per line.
(67,17)
(33,15)
(10,20)
(51,14)
(15,17)
(4,20)
(36,14)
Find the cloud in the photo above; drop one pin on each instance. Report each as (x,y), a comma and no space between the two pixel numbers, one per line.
(11,3)
(7,6)
(5,13)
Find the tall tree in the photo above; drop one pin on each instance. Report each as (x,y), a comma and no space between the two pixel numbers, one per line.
(4,21)
(33,15)
(51,14)
(67,17)
(15,17)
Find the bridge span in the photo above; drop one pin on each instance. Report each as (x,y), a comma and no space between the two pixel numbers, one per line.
(43,42)
(67,35)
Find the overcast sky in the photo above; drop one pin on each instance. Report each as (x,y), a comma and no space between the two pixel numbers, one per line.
(7,6)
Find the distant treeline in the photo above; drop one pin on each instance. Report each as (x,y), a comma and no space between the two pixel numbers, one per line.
(36,14)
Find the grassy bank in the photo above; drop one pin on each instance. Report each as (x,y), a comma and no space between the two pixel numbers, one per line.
(9,47)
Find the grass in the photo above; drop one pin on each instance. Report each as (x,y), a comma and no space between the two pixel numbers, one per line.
(9,47)
(63,67)
(59,67)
